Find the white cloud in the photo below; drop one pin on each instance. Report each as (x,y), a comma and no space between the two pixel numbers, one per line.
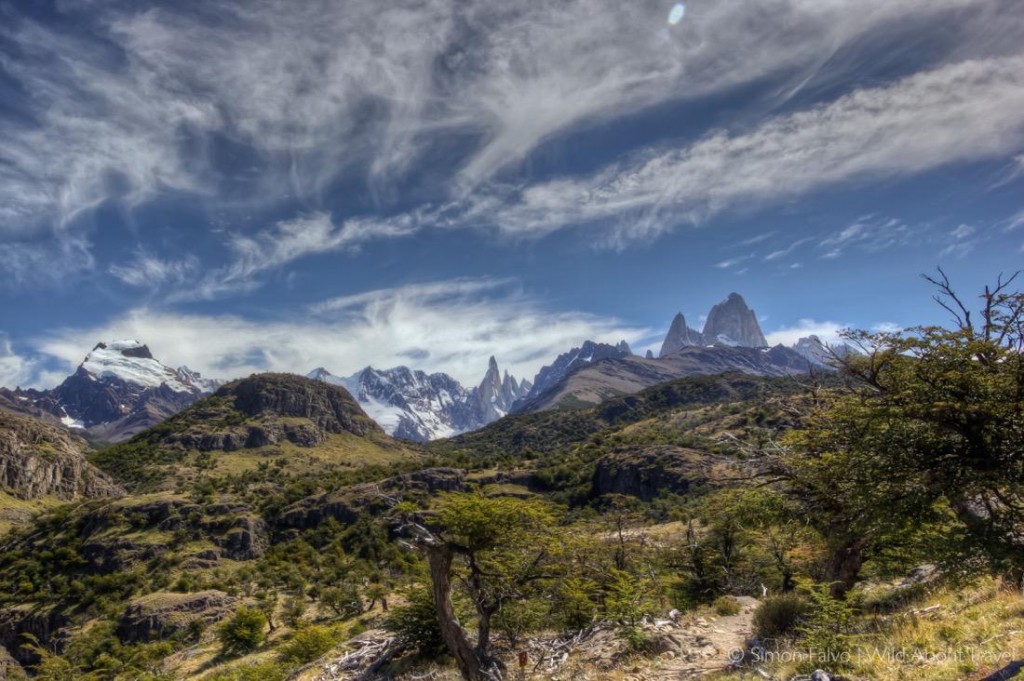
(149,271)
(963,232)
(828,332)
(732,262)
(53,260)
(961,112)
(288,241)
(871,234)
(15,370)
(783,252)
(448,326)
(128,107)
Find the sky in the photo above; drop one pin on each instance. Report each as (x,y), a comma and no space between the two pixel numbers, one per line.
(287,184)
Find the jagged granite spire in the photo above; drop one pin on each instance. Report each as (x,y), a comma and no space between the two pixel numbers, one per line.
(731,322)
(680,336)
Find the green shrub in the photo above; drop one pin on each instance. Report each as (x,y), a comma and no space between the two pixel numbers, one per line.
(726,606)
(637,640)
(779,616)
(263,671)
(308,644)
(244,632)
(416,624)
(827,627)
(517,618)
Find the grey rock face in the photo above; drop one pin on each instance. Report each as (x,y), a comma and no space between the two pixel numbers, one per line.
(39,460)
(732,323)
(648,473)
(161,615)
(680,336)
(569,362)
(348,504)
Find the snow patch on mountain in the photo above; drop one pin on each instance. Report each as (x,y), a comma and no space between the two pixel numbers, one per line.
(130,361)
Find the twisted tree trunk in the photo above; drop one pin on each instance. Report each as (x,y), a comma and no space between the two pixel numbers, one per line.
(474,664)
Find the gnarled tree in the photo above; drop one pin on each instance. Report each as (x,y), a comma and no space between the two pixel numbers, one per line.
(928,442)
(500,550)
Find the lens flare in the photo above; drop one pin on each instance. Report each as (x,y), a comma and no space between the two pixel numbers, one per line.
(677,14)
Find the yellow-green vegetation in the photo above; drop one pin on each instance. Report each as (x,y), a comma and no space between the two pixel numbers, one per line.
(944,633)
(693,495)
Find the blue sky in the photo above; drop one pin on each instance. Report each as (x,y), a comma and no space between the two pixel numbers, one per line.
(285,184)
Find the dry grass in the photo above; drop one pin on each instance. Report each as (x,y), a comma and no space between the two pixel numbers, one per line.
(973,631)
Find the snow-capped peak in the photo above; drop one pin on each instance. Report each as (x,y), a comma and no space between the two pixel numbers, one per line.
(130,361)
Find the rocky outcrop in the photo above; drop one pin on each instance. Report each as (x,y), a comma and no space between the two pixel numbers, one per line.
(731,322)
(330,408)
(158,616)
(594,383)
(348,504)
(648,473)
(680,336)
(496,395)
(268,409)
(40,460)
(47,625)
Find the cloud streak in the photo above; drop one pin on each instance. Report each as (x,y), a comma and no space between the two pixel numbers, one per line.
(969,111)
(448,326)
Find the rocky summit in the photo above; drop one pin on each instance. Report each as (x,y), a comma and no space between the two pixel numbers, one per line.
(413,405)
(118,390)
(729,323)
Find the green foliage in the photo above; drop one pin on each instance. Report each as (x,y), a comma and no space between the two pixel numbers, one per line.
(416,624)
(293,611)
(629,596)
(243,632)
(515,619)
(262,671)
(725,606)
(575,602)
(637,640)
(828,625)
(308,643)
(344,600)
(779,616)
(924,456)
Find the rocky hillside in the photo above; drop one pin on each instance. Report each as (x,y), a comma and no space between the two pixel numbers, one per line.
(40,460)
(265,417)
(730,323)
(42,465)
(594,383)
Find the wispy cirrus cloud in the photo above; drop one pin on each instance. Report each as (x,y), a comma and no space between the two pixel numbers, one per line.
(448,326)
(255,254)
(151,271)
(134,103)
(968,111)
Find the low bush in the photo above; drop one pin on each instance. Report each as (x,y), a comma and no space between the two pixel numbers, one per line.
(726,606)
(243,633)
(779,616)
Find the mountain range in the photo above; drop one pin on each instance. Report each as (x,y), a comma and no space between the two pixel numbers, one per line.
(120,389)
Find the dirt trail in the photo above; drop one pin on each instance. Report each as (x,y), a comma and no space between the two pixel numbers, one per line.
(705,645)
